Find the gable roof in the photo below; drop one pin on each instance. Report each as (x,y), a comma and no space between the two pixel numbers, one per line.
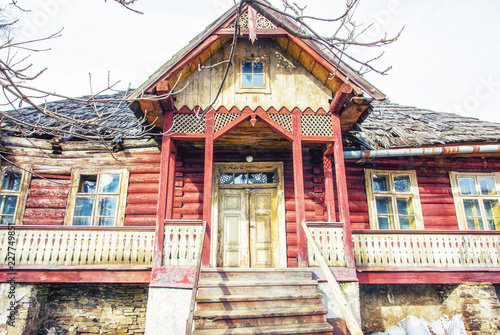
(391,126)
(345,70)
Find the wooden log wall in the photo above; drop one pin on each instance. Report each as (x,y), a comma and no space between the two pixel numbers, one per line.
(188,196)
(50,181)
(433,181)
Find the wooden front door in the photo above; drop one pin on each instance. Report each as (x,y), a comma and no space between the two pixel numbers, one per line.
(247,222)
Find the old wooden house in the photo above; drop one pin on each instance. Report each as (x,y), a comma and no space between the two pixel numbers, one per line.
(296,151)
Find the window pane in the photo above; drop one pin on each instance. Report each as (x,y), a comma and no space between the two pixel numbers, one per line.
(405,206)
(380,183)
(258,80)
(106,221)
(467,185)
(246,80)
(226,178)
(107,206)
(487,185)
(402,184)
(384,206)
(383,223)
(258,67)
(492,208)
(471,208)
(87,184)
(268,178)
(406,223)
(240,178)
(6,220)
(82,221)
(11,181)
(492,225)
(8,204)
(246,67)
(471,224)
(254,178)
(83,206)
(110,183)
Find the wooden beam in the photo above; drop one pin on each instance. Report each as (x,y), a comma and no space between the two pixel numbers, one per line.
(163,89)
(298,185)
(78,276)
(244,32)
(207,183)
(329,195)
(275,126)
(188,137)
(317,139)
(340,98)
(231,125)
(437,277)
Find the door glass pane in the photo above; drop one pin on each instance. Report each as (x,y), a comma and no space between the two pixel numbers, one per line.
(467,185)
(240,178)
(268,178)
(87,184)
(226,178)
(83,206)
(402,184)
(11,181)
(110,183)
(254,178)
(8,204)
(380,183)
(487,185)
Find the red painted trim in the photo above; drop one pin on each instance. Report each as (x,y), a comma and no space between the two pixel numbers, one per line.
(437,277)
(188,137)
(77,276)
(329,195)
(207,183)
(298,181)
(427,232)
(264,33)
(171,180)
(227,128)
(173,276)
(340,274)
(85,228)
(317,139)
(275,126)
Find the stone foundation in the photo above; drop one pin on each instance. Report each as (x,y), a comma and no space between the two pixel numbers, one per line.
(385,305)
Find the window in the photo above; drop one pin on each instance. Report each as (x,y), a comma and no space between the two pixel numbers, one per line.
(477,198)
(393,200)
(252,74)
(97,198)
(13,191)
(239,178)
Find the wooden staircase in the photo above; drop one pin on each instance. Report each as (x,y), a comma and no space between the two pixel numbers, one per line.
(259,301)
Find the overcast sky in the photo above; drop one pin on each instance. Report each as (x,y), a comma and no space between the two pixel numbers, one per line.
(447,58)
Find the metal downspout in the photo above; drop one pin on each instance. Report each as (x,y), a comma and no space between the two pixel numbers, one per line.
(433,151)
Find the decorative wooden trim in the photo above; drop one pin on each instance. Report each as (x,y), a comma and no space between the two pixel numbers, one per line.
(276,126)
(207,184)
(86,228)
(427,232)
(122,192)
(227,128)
(414,195)
(458,198)
(298,183)
(244,32)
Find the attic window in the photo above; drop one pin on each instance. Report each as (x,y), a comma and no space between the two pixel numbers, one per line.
(252,74)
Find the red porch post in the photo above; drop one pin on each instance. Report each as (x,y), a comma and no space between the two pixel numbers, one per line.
(207,179)
(171,179)
(329,196)
(298,182)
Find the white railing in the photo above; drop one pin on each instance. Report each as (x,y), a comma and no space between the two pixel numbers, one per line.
(181,243)
(329,237)
(427,249)
(49,245)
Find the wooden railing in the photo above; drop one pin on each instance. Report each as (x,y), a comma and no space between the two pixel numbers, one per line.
(443,249)
(330,239)
(181,244)
(77,246)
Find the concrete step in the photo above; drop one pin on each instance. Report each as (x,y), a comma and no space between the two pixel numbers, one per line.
(319,329)
(256,318)
(245,301)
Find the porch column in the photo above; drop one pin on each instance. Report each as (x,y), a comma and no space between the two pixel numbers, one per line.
(298,186)
(172,158)
(329,195)
(207,180)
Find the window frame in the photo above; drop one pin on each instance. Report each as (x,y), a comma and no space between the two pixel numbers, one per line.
(74,194)
(458,197)
(22,193)
(266,89)
(371,195)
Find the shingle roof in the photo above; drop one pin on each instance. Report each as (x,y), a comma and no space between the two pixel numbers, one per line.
(117,121)
(391,125)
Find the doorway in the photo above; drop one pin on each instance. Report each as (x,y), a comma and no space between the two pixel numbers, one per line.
(248,221)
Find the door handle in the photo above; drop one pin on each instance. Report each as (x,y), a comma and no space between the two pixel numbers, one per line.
(252,226)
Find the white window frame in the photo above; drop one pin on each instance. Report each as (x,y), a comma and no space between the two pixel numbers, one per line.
(73,194)
(22,193)
(458,197)
(371,195)
(266,89)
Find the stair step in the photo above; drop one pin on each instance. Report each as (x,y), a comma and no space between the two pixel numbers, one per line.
(244,301)
(257,287)
(261,313)
(315,328)
(246,274)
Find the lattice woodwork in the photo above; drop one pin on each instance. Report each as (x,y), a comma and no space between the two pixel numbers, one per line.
(316,125)
(223,119)
(284,120)
(262,22)
(188,123)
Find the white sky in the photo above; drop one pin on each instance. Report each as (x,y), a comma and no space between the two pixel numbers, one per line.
(446,59)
